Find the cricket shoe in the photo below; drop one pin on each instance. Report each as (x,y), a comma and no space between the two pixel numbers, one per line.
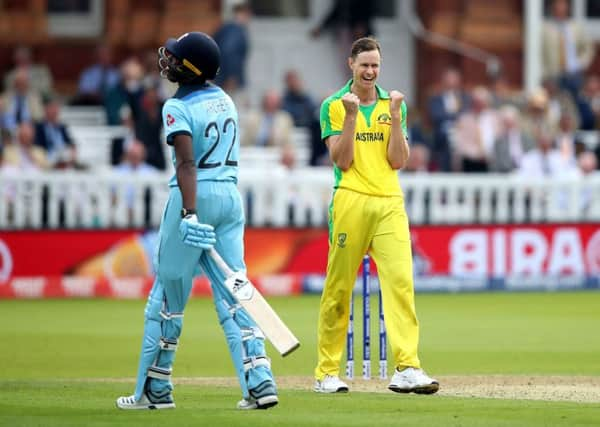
(252,403)
(129,402)
(263,396)
(331,384)
(413,380)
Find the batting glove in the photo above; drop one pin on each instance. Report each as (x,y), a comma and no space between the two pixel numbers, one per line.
(196,234)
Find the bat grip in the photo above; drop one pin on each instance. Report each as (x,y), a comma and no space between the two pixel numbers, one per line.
(222,264)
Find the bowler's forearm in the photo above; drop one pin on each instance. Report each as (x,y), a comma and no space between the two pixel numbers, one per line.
(398,150)
(342,149)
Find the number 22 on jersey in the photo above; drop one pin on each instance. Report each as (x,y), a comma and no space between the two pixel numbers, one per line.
(210,161)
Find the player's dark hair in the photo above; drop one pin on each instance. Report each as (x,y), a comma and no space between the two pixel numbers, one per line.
(364,44)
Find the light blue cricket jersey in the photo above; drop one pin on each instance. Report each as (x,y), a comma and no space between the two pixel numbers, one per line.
(208,115)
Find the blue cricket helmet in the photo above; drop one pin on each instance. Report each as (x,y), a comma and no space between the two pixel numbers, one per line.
(192,56)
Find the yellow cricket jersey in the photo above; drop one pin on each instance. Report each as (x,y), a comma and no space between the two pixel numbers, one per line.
(370,172)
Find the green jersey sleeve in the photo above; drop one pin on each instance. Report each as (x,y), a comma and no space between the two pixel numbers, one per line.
(404,111)
(331,119)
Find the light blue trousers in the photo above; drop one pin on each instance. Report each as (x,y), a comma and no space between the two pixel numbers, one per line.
(218,204)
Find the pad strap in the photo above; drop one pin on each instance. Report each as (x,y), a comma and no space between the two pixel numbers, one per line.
(159,373)
(253,362)
(169,316)
(233,308)
(168,344)
(250,333)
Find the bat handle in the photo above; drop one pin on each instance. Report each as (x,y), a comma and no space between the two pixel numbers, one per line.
(222,264)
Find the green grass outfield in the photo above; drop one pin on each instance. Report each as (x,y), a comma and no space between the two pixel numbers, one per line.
(65,361)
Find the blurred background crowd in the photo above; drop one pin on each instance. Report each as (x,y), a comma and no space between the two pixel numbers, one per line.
(489,125)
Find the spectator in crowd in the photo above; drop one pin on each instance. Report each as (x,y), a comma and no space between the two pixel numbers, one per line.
(319,154)
(417,134)
(566,141)
(39,74)
(54,138)
(288,157)
(588,104)
(133,165)
(134,160)
(6,137)
(444,108)
(536,117)
(148,127)
(96,80)
(567,51)
(349,19)
(121,142)
(502,94)
(128,91)
(511,143)
(418,160)
(7,170)
(419,139)
(297,102)
(269,127)
(23,154)
(545,161)
(587,162)
(234,42)
(4,118)
(346,20)
(22,103)
(560,103)
(475,133)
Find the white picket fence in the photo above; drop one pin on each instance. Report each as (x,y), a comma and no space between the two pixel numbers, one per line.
(275,196)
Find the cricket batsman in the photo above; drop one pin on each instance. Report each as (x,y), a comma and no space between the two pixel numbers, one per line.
(204,209)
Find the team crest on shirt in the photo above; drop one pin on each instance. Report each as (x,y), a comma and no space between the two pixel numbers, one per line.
(341,240)
(170,120)
(384,119)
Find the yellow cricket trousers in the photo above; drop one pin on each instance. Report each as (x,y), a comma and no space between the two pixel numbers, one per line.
(358,224)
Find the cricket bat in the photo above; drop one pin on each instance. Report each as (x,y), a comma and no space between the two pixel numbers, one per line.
(258,308)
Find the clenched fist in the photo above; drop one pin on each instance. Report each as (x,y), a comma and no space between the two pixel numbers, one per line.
(351,103)
(396,99)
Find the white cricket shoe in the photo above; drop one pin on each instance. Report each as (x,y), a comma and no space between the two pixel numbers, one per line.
(413,380)
(264,402)
(331,384)
(245,404)
(129,402)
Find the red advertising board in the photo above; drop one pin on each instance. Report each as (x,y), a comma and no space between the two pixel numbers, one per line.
(509,249)
(280,258)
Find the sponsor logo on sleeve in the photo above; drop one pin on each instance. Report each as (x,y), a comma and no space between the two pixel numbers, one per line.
(170,119)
